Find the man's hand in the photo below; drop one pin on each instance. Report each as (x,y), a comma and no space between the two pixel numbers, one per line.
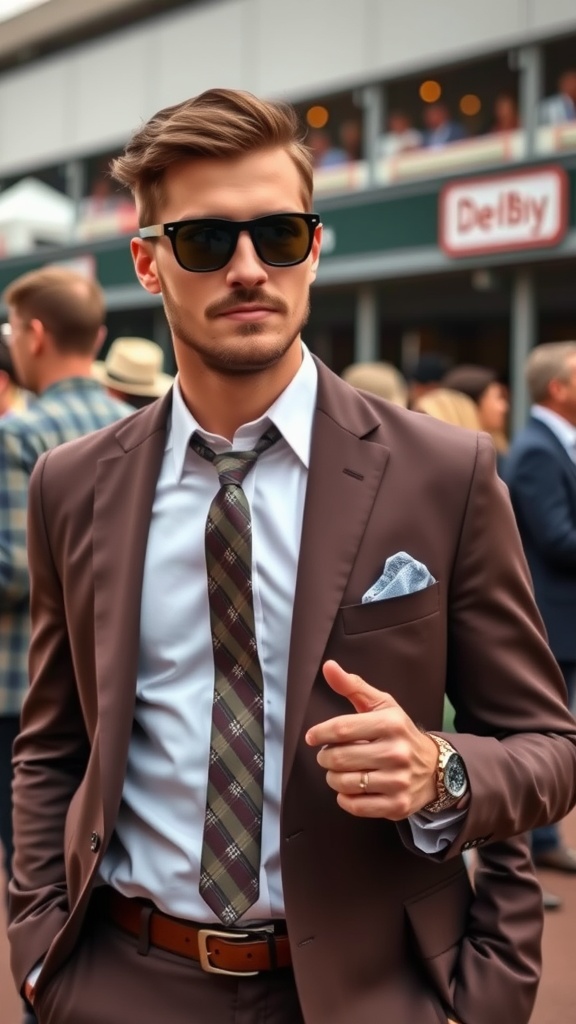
(378,761)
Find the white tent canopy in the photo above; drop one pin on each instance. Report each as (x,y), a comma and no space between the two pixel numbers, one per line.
(32,214)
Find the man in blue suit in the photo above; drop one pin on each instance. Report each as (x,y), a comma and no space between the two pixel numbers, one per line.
(541,474)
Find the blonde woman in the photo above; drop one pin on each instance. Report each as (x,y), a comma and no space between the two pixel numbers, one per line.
(450,406)
(382,379)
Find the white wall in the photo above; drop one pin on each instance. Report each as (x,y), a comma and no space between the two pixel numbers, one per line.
(93,96)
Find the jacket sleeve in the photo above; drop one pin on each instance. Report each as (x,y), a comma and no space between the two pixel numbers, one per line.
(49,757)
(541,500)
(513,729)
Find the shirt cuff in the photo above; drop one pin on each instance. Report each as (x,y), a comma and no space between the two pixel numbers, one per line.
(433,833)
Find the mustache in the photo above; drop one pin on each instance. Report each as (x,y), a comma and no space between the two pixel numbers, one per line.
(244,297)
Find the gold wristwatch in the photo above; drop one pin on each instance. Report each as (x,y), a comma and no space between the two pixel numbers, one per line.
(451,777)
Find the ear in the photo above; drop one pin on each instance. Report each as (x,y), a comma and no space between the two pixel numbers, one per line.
(145,264)
(101,338)
(38,334)
(556,389)
(315,252)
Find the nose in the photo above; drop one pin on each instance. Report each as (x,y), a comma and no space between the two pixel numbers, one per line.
(245,268)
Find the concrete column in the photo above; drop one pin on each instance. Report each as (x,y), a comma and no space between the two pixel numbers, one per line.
(523,337)
(373,120)
(529,63)
(366,340)
(75,173)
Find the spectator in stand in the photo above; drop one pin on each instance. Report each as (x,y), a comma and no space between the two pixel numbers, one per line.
(324,153)
(400,136)
(426,374)
(350,138)
(483,386)
(379,378)
(561,107)
(440,128)
(505,114)
(133,371)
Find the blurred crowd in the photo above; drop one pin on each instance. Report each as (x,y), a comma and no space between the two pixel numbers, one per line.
(437,126)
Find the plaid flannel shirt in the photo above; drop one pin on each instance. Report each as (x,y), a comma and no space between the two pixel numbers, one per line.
(66,410)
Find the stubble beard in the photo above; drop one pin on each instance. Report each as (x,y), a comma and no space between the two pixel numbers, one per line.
(239,352)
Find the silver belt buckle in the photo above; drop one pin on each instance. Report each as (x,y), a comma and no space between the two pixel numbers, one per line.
(204,953)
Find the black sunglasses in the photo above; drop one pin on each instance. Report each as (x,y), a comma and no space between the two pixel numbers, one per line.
(208,243)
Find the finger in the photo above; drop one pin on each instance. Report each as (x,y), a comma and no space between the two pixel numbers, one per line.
(361,695)
(356,729)
(368,806)
(357,783)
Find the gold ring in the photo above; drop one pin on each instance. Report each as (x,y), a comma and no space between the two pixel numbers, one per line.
(364,781)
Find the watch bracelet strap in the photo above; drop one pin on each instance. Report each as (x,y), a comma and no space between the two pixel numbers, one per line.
(442,801)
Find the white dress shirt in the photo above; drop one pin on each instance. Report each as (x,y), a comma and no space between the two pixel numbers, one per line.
(155,850)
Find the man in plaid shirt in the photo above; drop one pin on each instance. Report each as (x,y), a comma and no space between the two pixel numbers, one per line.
(54,331)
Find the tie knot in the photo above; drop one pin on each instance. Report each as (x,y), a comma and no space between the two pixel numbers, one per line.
(232,467)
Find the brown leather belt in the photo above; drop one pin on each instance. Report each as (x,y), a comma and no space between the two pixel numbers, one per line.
(218,951)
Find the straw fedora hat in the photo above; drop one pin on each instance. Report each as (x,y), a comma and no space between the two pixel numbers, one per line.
(134,366)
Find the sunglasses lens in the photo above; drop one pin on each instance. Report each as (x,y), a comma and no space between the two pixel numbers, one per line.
(282,241)
(201,246)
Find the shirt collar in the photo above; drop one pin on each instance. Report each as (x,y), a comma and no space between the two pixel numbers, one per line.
(292,413)
(72,384)
(563,430)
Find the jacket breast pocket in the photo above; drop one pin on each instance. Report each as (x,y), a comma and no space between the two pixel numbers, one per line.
(392,611)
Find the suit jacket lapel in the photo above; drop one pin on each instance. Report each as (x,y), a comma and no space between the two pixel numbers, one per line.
(123,498)
(345,473)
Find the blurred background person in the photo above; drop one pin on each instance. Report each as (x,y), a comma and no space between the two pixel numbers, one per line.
(506,117)
(324,152)
(449,406)
(541,474)
(484,387)
(426,374)
(350,138)
(401,135)
(56,323)
(440,129)
(380,378)
(561,107)
(133,371)
(12,398)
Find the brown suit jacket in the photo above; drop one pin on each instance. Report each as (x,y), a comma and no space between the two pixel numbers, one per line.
(378,930)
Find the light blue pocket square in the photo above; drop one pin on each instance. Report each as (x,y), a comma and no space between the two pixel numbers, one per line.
(402,574)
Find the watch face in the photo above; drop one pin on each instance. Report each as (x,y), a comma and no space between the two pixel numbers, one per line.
(455,779)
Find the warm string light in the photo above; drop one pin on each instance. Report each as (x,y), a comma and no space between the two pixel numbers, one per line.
(430,91)
(317,117)
(470,104)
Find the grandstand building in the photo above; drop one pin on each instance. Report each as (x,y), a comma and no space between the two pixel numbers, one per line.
(445,139)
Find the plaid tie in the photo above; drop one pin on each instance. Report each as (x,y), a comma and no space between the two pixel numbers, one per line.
(230,863)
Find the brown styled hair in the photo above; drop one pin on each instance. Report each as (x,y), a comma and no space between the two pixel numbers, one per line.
(224,123)
(69,305)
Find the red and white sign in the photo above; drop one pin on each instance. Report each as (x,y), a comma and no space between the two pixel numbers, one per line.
(521,210)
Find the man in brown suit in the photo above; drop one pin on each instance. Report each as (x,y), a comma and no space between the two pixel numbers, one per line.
(336,853)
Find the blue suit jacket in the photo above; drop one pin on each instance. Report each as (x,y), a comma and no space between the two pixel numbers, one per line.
(542,481)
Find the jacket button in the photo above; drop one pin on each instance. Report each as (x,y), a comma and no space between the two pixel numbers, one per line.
(94,842)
